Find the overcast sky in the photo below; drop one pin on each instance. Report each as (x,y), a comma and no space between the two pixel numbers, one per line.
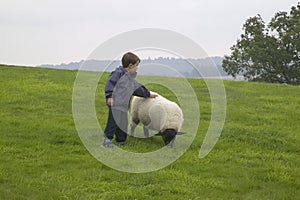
(34,32)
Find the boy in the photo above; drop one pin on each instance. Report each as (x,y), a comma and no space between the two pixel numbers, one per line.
(119,88)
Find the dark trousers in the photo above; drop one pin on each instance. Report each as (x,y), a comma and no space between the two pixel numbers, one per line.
(117,124)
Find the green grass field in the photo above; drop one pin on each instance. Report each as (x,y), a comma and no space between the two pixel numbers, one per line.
(42,156)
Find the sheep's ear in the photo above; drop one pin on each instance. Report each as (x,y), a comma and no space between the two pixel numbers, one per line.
(181,133)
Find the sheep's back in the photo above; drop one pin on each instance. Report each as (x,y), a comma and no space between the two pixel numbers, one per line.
(157,113)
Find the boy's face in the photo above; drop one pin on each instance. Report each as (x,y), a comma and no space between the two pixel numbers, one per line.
(132,68)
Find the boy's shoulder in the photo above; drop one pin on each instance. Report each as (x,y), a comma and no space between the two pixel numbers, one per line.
(119,71)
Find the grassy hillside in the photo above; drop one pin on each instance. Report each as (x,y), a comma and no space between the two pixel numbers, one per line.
(42,156)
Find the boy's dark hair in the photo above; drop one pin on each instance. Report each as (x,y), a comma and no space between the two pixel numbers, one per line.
(129,58)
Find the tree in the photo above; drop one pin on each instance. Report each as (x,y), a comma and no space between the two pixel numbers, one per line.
(268,53)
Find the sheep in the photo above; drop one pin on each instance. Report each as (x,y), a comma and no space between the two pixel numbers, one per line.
(158,114)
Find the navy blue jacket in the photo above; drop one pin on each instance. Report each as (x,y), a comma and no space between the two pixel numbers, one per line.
(121,87)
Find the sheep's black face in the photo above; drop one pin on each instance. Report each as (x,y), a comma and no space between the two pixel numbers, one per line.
(168,135)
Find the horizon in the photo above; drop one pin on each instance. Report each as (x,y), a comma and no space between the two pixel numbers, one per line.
(82,60)
(142,59)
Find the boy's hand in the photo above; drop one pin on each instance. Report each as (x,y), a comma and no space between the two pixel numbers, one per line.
(153,95)
(110,102)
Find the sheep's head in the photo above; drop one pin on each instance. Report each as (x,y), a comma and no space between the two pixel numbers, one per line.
(168,135)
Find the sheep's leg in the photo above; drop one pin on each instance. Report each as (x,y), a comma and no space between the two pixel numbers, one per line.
(132,128)
(146,132)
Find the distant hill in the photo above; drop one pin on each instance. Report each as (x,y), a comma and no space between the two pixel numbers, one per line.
(173,67)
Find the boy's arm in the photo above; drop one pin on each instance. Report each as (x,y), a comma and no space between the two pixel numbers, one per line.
(110,84)
(142,91)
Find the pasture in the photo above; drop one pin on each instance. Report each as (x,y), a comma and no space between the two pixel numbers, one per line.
(42,156)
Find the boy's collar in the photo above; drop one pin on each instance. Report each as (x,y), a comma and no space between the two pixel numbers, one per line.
(122,68)
(126,72)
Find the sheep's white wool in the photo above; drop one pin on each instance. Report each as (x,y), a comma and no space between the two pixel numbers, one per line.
(156,113)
